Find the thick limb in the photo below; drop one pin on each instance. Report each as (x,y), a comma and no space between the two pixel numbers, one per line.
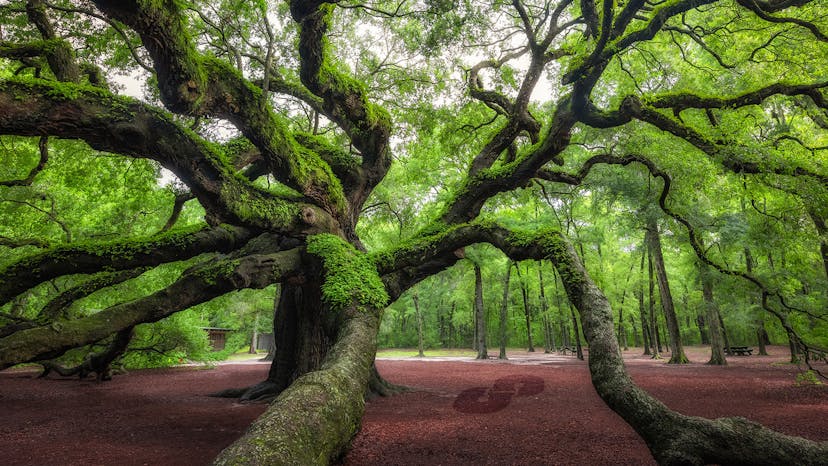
(197,285)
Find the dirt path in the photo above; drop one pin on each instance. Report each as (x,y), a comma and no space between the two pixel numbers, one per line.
(537,409)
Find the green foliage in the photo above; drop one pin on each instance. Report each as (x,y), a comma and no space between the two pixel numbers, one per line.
(808,377)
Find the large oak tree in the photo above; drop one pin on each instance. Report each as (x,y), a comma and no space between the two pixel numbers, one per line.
(549,91)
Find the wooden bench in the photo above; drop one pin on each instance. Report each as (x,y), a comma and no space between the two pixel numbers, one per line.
(739,351)
(573,350)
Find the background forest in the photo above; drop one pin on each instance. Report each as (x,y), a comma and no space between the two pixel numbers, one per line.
(755,225)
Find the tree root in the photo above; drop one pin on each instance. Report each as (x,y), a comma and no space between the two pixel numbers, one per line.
(379,387)
(262,392)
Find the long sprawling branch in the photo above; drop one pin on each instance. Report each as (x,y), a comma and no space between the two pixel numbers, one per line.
(125,126)
(121,255)
(673,438)
(197,285)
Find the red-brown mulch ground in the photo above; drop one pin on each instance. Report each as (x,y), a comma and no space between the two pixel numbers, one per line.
(537,409)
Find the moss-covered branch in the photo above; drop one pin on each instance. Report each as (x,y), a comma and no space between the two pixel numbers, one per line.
(197,285)
(673,438)
(476,189)
(119,255)
(684,101)
(196,84)
(125,126)
(345,100)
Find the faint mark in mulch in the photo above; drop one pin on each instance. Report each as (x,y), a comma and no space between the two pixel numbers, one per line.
(482,400)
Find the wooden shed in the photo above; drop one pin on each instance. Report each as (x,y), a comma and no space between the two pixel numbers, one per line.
(217,336)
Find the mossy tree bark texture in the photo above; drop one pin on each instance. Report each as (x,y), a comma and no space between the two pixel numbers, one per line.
(282,201)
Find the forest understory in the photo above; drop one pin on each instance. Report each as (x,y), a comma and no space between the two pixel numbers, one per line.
(535,408)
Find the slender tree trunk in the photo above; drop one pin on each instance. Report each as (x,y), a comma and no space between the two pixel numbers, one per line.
(548,337)
(579,349)
(416,300)
(717,345)
(479,313)
(677,355)
(724,333)
(642,312)
(622,332)
(254,340)
(654,337)
(636,339)
(822,230)
(526,309)
(504,307)
(701,322)
(761,333)
(451,329)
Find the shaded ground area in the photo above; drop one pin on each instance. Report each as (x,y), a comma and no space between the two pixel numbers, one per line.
(150,417)
(537,409)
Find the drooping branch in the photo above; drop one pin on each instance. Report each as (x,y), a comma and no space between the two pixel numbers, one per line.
(197,285)
(673,438)
(43,146)
(98,363)
(120,255)
(757,8)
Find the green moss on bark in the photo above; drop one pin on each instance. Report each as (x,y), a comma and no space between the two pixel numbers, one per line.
(349,274)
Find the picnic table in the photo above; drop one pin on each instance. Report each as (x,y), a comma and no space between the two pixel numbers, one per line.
(739,350)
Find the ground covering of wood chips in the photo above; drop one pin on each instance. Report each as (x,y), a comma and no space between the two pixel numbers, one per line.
(534,409)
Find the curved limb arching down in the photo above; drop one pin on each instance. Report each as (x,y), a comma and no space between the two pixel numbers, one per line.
(673,438)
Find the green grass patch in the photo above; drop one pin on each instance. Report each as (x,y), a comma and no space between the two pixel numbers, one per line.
(412,352)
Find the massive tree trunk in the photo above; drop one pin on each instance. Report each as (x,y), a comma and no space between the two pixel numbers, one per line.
(314,419)
(677,355)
